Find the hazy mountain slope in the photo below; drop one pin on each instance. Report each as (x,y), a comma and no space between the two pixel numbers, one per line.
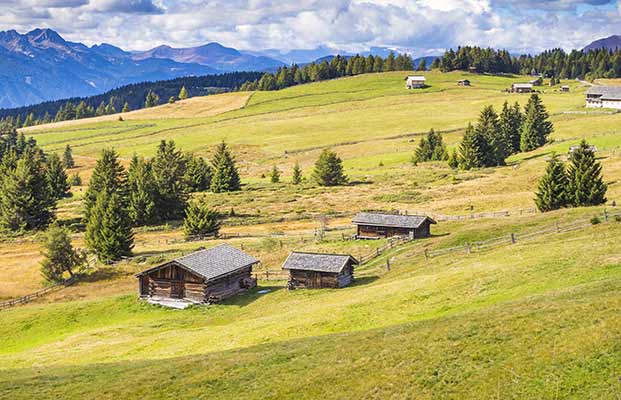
(610,43)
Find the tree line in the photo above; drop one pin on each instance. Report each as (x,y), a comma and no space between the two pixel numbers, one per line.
(555,63)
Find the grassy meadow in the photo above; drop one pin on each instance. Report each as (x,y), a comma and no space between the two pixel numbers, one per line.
(539,319)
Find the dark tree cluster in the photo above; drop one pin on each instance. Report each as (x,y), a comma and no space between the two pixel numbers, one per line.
(125,98)
(31,183)
(430,148)
(495,137)
(337,67)
(577,185)
(555,63)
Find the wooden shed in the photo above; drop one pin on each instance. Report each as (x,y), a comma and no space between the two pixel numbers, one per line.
(319,271)
(205,276)
(415,82)
(463,82)
(522,88)
(381,225)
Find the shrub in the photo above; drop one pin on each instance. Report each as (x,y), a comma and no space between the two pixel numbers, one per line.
(595,220)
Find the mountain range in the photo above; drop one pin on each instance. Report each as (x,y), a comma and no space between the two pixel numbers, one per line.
(610,43)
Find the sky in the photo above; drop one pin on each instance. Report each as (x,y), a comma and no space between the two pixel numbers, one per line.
(420,27)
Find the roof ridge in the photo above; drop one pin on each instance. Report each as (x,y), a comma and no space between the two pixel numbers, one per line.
(321,254)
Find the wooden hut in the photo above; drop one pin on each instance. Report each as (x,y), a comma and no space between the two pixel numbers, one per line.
(522,88)
(463,82)
(371,225)
(205,276)
(565,89)
(415,82)
(319,271)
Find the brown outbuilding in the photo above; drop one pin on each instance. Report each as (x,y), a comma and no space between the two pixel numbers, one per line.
(382,225)
(319,271)
(205,276)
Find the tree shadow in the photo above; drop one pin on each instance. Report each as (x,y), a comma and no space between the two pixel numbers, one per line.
(359,183)
(244,299)
(364,280)
(102,274)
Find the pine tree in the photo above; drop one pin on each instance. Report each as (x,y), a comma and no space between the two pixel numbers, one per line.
(422,65)
(59,255)
(125,107)
(488,128)
(171,100)
(142,192)
(183,93)
(225,176)
(200,220)
(169,166)
(430,148)
(473,150)
(275,175)
(586,185)
(197,174)
(536,127)
(151,100)
(552,191)
(297,174)
(329,170)
(68,161)
(109,230)
(108,176)
(510,124)
(453,160)
(57,177)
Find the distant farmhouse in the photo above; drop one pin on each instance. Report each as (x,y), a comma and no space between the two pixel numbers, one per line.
(565,88)
(319,271)
(604,97)
(536,82)
(381,225)
(592,148)
(463,82)
(522,88)
(205,276)
(415,82)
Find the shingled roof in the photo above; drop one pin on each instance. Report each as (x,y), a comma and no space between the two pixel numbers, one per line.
(317,262)
(212,263)
(606,92)
(391,220)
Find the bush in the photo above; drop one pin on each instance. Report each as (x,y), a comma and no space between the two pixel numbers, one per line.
(595,220)
(617,218)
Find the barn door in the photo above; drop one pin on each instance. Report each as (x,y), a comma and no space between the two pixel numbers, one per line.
(317,280)
(177,290)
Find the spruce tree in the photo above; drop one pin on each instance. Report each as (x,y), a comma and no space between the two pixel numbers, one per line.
(200,220)
(329,170)
(473,150)
(59,255)
(108,176)
(151,100)
(453,160)
(536,127)
(275,175)
(109,230)
(430,148)
(552,191)
(510,124)
(183,93)
(68,161)
(297,174)
(125,107)
(488,127)
(142,192)
(225,175)
(169,166)
(197,174)
(57,177)
(586,185)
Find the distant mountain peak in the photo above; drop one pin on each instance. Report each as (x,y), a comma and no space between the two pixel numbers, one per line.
(610,43)
(45,35)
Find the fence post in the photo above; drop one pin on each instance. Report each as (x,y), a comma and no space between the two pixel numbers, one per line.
(605,215)
(377,252)
(513,238)
(388,264)
(267,274)
(426,254)
(467,248)
(558,229)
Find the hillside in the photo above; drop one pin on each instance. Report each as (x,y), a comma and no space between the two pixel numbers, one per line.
(610,43)
(538,319)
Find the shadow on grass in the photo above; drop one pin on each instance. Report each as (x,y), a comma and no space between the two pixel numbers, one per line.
(102,274)
(250,296)
(363,280)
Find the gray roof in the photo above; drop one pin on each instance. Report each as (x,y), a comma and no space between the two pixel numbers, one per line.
(391,220)
(523,85)
(213,263)
(317,262)
(607,92)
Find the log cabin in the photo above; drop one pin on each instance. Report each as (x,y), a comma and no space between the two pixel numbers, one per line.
(319,271)
(603,97)
(205,276)
(380,225)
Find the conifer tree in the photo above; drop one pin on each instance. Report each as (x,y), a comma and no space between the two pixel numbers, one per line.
(586,185)
(453,160)
(275,175)
(431,148)
(329,170)
(109,230)
(489,129)
(473,150)
(108,176)
(297,174)
(552,191)
(142,192)
(197,174)
(536,127)
(183,93)
(151,100)
(59,255)
(510,124)
(225,176)
(169,166)
(57,177)
(200,220)
(422,65)
(125,107)
(68,161)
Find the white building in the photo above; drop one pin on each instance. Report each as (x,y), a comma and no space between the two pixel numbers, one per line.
(415,82)
(604,97)
(522,88)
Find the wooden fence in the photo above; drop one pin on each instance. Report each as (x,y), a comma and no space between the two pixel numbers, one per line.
(33,296)
(271,275)
(381,250)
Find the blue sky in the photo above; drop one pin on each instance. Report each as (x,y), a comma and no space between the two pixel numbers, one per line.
(418,26)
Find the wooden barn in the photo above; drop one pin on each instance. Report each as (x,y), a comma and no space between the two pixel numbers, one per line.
(319,271)
(522,88)
(379,225)
(463,82)
(205,276)
(415,82)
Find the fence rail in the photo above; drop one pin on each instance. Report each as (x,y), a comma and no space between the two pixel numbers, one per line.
(381,250)
(271,275)
(33,296)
